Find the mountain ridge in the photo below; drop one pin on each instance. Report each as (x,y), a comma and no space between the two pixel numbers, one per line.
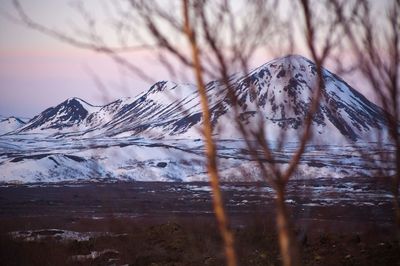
(9,124)
(281,89)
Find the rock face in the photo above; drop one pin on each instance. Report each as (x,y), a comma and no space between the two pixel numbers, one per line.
(279,93)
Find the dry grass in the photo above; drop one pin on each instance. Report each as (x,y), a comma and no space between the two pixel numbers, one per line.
(196,241)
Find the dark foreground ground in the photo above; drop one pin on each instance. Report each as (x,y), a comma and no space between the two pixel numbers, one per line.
(338,222)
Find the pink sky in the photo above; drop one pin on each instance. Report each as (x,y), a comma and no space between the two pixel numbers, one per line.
(33,80)
(37,71)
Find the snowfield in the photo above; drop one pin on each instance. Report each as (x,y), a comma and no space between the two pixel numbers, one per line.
(31,158)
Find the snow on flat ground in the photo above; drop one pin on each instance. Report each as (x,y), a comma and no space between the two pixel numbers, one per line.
(33,158)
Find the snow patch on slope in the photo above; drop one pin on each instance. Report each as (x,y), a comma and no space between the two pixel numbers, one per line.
(10,124)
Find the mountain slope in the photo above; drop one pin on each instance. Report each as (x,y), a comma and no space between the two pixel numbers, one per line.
(66,116)
(10,124)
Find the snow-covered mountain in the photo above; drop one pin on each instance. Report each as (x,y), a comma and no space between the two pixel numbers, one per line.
(154,136)
(66,116)
(158,112)
(279,93)
(10,124)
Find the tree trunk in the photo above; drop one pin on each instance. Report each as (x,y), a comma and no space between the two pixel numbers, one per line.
(211,152)
(287,242)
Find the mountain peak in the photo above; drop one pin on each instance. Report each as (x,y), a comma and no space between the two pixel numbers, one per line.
(65,115)
(161,86)
(13,119)
(283,90)
(279,93)
(10,124)
(288,62)
(77,100)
